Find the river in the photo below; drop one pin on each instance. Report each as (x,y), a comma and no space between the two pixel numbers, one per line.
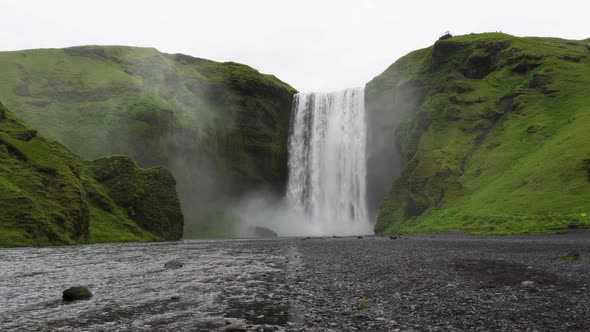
(442,282)
(133,291)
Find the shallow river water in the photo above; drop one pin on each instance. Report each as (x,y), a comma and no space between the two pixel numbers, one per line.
(134,291)
(442,282)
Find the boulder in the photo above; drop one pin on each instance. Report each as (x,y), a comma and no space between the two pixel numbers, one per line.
(173,264)
(236,326)
(258,231)
(76,293)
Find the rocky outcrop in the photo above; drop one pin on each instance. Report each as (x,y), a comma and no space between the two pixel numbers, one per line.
(148,196)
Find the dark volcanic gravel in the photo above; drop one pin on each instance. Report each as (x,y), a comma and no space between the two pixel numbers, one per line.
(447,282)
(444,283)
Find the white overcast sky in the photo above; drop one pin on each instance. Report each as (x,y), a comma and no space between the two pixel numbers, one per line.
(312,45)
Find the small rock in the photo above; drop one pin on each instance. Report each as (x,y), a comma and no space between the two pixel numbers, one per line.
(364,304)
(175,298)
(391,237)
(76,293)
(236,326)
(527,283)
(173,264)
(359,237)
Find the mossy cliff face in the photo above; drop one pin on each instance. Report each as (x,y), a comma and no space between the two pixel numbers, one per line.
(149,196)
(49,196)
(221,127)
(492,134)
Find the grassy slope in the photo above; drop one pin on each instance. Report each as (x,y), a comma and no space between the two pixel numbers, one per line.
(221,127)
(499,140)
(50,196)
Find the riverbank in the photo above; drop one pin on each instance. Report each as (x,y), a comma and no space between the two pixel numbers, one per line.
(446,282)
(449,282)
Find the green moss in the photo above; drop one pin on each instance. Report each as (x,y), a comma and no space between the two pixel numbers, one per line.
(49,196)
(210,122)
(497,142)
(571,256)
(148,196)
(116,227)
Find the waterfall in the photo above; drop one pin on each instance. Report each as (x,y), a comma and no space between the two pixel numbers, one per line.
(327,163)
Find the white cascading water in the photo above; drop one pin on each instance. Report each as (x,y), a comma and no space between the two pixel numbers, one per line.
(327,164)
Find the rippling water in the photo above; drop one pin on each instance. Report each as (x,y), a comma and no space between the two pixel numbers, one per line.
(133,291)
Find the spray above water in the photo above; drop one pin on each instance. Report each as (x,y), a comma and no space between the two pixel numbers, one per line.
(327,163)
(326,192)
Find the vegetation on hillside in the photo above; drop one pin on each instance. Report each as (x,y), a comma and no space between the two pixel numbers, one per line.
(49,196)
(220,127)
(495,140)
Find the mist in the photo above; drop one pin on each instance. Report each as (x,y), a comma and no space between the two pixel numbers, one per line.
(386,111)
(221,139)
(277,213)
(326,189)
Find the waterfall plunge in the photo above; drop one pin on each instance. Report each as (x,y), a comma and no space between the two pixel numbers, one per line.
(327,163)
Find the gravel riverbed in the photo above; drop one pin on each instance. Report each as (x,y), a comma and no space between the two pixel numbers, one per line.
(448,282)
(445,283)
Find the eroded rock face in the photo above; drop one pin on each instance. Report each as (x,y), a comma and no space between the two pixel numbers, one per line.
(76,294)
(148,195)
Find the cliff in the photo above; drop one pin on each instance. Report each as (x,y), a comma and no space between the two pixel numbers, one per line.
(222,128)
(50,196)
(487,133)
